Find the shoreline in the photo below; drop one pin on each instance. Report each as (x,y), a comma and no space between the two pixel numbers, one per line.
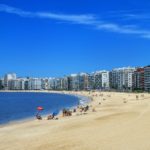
(81,98)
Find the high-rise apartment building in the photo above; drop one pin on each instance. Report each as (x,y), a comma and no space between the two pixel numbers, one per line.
(1,83)
(147,78)
(105,80)
(74,83)
(122,78)
(34,84)
(7,80)
(138,79)
(17,84)
(101,80)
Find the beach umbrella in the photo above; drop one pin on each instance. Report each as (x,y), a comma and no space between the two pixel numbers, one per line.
(55,113)
(40,108)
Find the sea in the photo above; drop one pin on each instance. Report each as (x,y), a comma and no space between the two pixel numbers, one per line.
(16,106)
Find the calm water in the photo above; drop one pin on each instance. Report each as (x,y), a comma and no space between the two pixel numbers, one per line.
(15,106)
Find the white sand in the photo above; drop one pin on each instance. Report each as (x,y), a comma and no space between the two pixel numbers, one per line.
(120,123)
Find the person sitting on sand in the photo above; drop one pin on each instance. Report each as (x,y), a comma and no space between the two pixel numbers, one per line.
(86,108)
(67,112)
(81,109)
(38,117)
(50,117)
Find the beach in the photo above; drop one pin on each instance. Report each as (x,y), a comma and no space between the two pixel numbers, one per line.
(114,121)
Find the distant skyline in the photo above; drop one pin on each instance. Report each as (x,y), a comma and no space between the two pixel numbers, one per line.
(94,71)
(50,38)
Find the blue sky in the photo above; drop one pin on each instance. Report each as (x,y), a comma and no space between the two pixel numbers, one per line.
(56,38)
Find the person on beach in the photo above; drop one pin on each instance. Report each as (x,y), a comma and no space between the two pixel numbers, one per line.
(50,117)
(66,112)
(93,110)
(86,108)
(38,117)
(54,114)
(124,100)
(74,110)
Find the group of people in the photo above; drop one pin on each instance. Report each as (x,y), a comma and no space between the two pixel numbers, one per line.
(137,96)
(65,112)
(83,109)
(49,117)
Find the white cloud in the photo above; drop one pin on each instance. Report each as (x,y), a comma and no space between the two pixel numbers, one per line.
(13,10)
(85,19)
(141,16)
(124,29)
(82,19)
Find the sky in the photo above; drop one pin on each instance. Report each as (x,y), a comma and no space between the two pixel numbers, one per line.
(47,38)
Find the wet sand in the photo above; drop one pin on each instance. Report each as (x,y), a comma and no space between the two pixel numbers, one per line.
(119,122)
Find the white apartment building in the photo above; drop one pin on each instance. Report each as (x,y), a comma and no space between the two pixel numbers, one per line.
(122,78)
(105,79)
(17,84)
(7,80)
(101,79)
(34,84)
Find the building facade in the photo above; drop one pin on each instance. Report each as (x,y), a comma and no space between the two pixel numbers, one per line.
(138,79)
(105,80)
(147,78)
(1,84)
(34,84)
(122,78)
(101,80)
(7,80)
(17,84)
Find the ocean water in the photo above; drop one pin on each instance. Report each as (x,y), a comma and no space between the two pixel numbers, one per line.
(17,106)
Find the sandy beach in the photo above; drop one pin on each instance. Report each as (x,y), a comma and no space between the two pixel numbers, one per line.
(114,121)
